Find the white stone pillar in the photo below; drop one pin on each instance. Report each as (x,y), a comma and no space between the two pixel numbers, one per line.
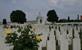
(76,44)
(51,43)
(76,41)
(40,46)
(58,36)
(64,43)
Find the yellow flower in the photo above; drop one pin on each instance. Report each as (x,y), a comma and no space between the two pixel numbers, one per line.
(7,30)
(38,38)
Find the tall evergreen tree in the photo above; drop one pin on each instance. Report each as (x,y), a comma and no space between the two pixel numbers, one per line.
(18,16)
(52,16)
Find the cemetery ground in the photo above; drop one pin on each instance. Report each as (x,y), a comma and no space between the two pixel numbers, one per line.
(57,37)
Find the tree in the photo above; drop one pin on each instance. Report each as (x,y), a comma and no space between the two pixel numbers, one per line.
(18,16)
(68,18)
(52,16)
(26,41)
(4,21)
(78,17)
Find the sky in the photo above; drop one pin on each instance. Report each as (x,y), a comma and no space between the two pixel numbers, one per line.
(31,8)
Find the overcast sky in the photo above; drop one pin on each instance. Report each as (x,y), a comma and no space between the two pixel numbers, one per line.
(63,8)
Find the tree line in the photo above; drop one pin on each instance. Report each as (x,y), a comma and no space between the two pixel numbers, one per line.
(18,16)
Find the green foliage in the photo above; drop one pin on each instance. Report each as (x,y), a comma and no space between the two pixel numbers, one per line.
(11,38)
(52,16)
(18,16)
(26,41)
(19,29)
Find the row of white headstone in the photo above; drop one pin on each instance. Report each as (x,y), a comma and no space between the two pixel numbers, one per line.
(64,39)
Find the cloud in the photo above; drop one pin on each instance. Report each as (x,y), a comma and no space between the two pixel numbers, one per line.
(13,1)
(66,2)
(53,1)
